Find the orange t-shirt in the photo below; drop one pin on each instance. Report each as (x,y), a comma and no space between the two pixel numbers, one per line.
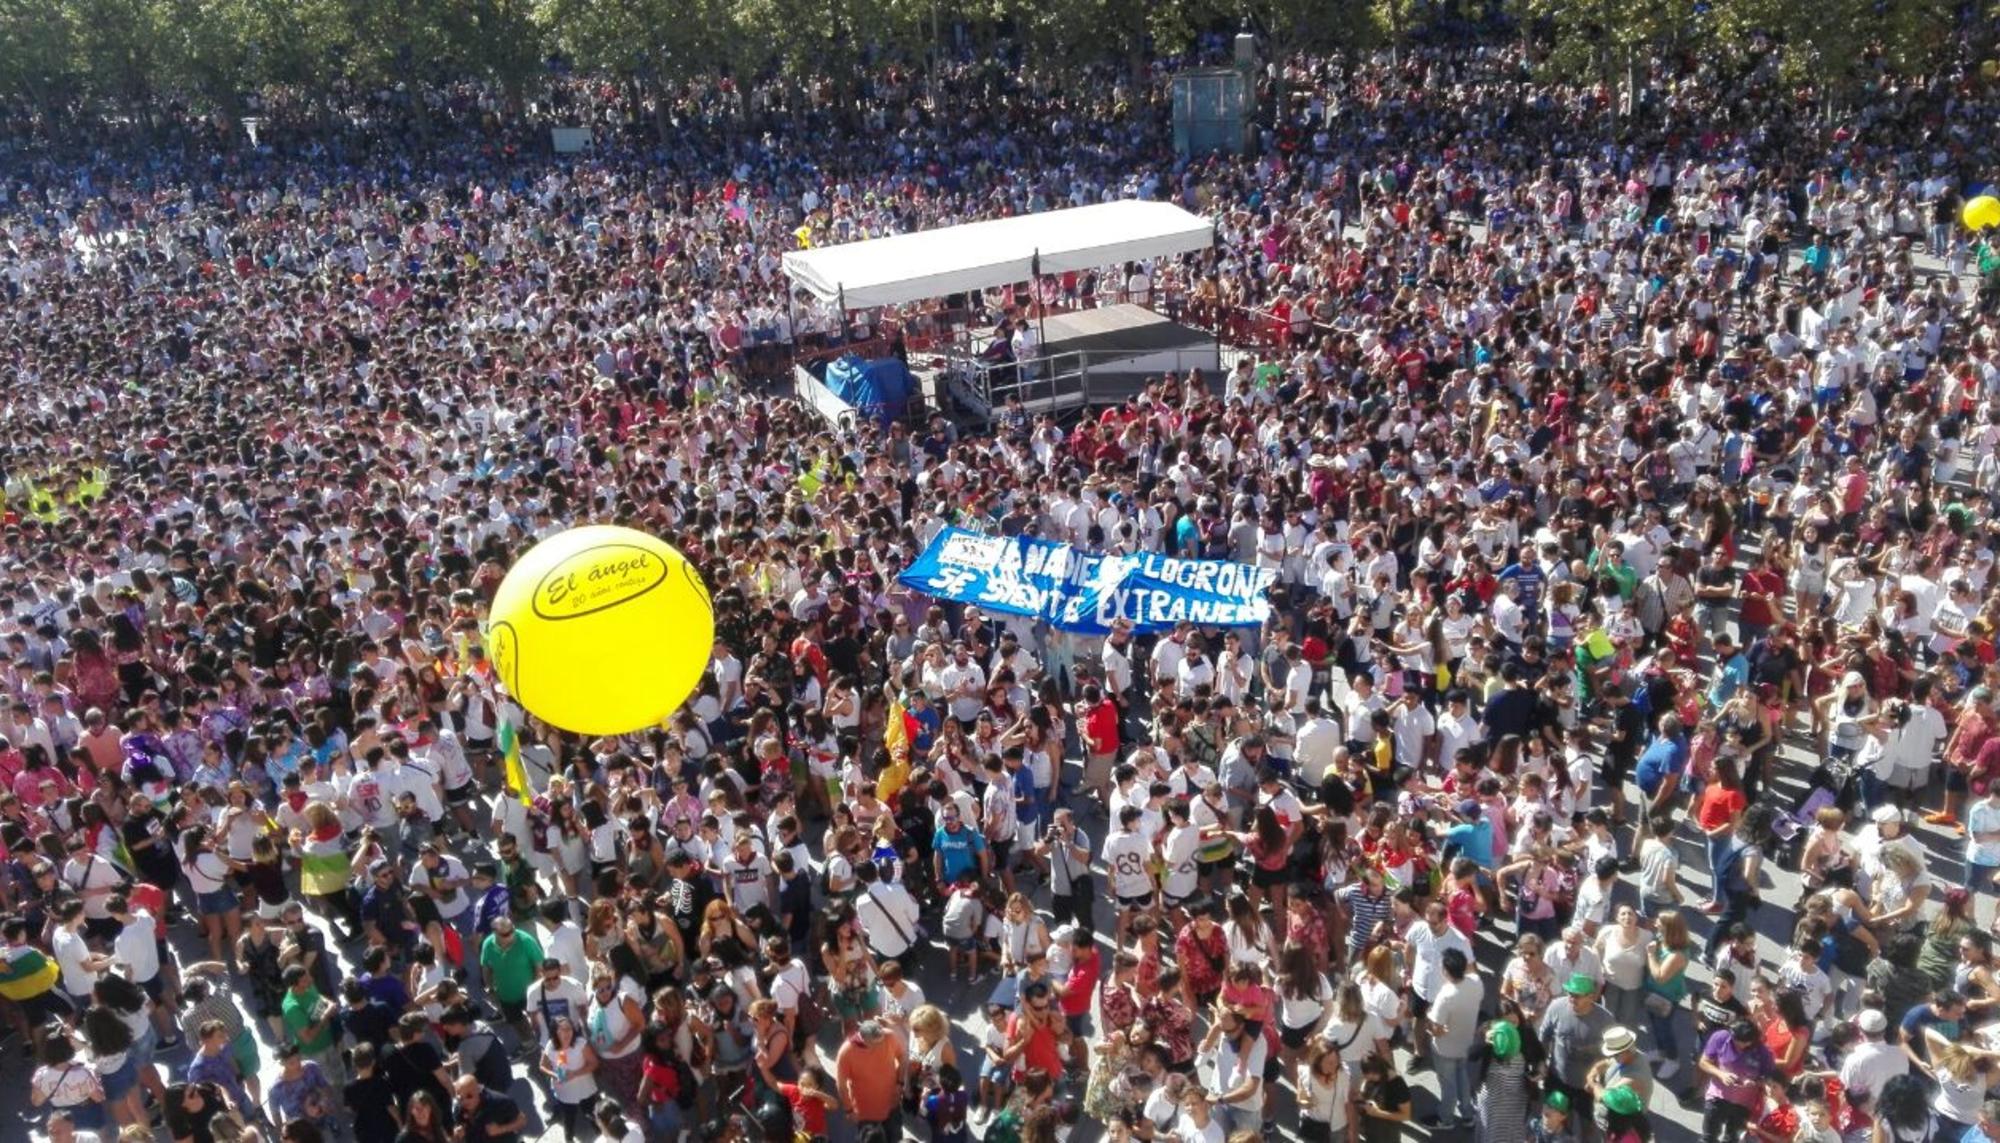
(870,1078)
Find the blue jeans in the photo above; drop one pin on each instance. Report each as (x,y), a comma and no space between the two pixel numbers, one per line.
(1235,1119)
(1665,1042)
(1455,1091)
(665,1120)
(1874,791)
(1718,850)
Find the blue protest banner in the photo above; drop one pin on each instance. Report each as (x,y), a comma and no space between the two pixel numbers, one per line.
(1079,591)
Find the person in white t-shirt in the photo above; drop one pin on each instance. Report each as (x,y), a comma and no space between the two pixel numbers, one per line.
(442,879)
(1179,855)
(446,756)
(746,875)
(137,949)
(1128,855)
(80,966)
(562,939)
(555,995)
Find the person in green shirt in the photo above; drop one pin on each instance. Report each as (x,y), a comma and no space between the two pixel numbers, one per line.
(510,959)
(1609,560)
(523,895)
(308,1020)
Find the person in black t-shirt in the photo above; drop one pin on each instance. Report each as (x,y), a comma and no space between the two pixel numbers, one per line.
(689,894)
(1718,1008)
(485,1115)
(413,1064)
(365,1018)
(370,1098)
(1384,1101)
(191,1108)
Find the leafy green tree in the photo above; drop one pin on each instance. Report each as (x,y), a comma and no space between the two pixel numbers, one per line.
(39,52)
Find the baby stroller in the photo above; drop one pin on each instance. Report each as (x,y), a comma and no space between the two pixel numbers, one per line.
(1831,784)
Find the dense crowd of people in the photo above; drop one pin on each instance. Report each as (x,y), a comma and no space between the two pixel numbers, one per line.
(1626,471)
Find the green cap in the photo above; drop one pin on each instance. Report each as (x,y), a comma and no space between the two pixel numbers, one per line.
(1556,1100)
(1580,984)
(1622,1100)
(1504,1039)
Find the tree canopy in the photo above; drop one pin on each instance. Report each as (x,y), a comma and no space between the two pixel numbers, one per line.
(121,57)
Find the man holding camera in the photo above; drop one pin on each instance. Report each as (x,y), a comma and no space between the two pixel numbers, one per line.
(1067,850)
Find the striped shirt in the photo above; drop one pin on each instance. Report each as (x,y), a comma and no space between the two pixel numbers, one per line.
(1366,912)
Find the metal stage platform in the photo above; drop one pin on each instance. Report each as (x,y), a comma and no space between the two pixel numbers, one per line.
(1091,357)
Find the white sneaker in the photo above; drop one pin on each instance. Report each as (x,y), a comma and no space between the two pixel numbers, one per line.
(1668,1070)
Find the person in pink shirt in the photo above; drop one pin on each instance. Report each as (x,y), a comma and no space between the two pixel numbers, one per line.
(40,782)
(12,763)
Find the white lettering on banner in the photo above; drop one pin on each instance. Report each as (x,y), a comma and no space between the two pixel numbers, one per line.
(1036,560)
(1064,585)
(971,549)
(1014,593)
(951,581)
(1060,565)
(1216,577)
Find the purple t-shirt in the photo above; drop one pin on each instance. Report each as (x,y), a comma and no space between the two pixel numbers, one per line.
(1753,1064)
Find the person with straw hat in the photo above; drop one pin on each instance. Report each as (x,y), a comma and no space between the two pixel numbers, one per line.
(1623,1067)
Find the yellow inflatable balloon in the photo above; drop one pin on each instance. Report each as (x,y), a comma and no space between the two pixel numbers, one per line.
(601,630)
(1982,212)
(1990,69)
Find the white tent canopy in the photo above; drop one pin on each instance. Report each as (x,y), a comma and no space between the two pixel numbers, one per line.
(978,255)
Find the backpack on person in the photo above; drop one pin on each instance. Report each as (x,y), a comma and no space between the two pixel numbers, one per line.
(490,1065)
(808,1015)
(963,916)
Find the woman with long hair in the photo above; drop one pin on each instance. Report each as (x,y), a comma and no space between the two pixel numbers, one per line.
(663,1071)
(1382,990)
(66,1083)
(258,952)
(1902,1111)
(143,1019)
(424,1120)
(725,935)
(569,843)
(1304,998)
(219,907)
(1716,813)
(1780,1016)
(850,971)
(111,1042)
(1022,934)
(1249,936)
(570,1065)
(1269,848)
(1667,958)
(1963,1076)
(773,1063)
(930,1048)
(616,1023)
(1896,897)
(1354,1029)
